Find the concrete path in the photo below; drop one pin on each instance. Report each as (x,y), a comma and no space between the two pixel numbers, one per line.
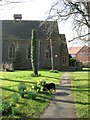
(62,105)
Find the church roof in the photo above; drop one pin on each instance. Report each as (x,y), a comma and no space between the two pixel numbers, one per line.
(21,30)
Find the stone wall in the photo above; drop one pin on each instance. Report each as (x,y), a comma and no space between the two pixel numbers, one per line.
(0,44)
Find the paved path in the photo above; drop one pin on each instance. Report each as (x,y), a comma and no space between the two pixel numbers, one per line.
(62,105)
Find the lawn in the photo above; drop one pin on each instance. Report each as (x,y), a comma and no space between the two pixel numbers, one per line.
(80,87)
(27,107)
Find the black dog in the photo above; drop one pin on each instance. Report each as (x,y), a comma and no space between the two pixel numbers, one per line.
(49,86)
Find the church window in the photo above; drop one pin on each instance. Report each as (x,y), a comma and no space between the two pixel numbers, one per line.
(64,59)
(47,54)
(11,51)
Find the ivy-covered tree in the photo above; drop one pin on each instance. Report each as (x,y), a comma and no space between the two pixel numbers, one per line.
(17,60)
(34,53)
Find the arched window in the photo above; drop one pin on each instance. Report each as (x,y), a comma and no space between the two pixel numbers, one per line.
(47,53)
(11,51)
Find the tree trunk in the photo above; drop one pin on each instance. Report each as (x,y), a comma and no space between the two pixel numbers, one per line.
(51,47)
(34,53)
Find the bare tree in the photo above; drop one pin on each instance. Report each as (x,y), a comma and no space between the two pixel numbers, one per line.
(63,10)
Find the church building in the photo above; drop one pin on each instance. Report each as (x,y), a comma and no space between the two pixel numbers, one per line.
(17,34)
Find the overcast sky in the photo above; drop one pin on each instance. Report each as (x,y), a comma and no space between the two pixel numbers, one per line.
(32,10)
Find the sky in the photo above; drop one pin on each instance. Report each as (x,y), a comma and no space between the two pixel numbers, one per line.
(34,10)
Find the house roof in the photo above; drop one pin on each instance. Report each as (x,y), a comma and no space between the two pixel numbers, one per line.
(21,30)
(74,50)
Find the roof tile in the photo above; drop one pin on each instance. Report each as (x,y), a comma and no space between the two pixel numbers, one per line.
(74,50)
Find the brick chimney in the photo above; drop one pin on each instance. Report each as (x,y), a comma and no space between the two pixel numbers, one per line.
(17,17)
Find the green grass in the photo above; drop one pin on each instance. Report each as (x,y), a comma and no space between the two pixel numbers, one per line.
(28,107)
(81,89)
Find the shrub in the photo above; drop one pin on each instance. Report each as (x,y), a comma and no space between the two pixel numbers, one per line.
(6,107)
(22,87)
(37,88)
(7,67)
(3,67)
(15,111)
(72,61)
(42,83)
(79,65)
(86,64)
(15,98)
(22,93)
(32,94)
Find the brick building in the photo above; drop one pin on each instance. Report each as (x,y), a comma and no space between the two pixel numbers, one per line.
(82,54)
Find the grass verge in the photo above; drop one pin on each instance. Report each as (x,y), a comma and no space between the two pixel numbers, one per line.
(80,87)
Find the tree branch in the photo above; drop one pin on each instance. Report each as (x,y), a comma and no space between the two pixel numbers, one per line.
(79,37)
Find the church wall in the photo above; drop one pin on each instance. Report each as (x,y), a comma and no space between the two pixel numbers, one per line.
(44,62)
(13,33)
(1,42)
(22,45)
